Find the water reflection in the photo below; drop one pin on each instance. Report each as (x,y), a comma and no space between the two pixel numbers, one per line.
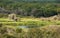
(28,26)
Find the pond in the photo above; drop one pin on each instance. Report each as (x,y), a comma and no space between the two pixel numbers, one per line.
(28,26)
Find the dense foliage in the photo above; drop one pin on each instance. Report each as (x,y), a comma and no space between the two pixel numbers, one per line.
(35,9)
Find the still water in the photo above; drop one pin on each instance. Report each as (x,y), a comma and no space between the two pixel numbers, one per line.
(28,26)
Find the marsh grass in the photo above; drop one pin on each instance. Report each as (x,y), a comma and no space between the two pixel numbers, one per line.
(27,22)
(47,28)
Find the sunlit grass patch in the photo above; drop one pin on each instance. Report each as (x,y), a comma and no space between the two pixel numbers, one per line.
(28,22)
(5,20)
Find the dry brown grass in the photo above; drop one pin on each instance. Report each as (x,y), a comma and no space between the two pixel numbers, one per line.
(53,18)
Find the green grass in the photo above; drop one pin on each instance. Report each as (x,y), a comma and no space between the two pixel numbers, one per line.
(28,21)
(5,20)
(42,32)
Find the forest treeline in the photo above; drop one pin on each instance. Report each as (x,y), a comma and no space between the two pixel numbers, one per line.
(35,9)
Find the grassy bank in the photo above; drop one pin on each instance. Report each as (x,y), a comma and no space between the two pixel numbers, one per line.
(25,21)
(28,21)
(48,28)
